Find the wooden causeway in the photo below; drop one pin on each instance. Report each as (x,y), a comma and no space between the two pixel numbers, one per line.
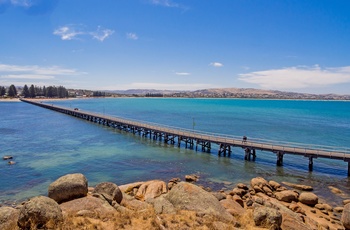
(191,138)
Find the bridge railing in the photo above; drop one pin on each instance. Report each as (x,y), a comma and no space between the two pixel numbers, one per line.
(218,137)
(233,138)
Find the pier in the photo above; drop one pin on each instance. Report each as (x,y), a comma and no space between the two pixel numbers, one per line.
(204,141)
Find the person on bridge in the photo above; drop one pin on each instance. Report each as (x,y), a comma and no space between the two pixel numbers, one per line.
(244,139)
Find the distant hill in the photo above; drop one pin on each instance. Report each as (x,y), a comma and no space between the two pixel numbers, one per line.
(227,93)
(144,91)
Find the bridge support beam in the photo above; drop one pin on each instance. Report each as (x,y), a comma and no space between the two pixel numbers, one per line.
(279,158)
(311,163)
(247,154)
(224,148)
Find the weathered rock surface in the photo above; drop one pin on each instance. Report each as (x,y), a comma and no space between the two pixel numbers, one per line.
(259,184)
(345,218)
(326,207)
(308,198)
(151,189)
(233,207)
(162,205)
(68,187)
(133,204)
(275,185)
(87,206)
(299,186)
(219,195)
(40,212)
(109,191)
(187,196)
(8,218)
(128,188)
(269,217)
(293,224)
(286,196)
(242,186)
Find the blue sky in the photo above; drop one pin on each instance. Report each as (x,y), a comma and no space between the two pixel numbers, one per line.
(291,45)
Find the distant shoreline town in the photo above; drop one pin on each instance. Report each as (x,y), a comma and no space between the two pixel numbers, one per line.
(244,93)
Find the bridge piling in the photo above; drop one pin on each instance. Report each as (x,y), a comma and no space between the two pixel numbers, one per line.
(311,163)
(279,158)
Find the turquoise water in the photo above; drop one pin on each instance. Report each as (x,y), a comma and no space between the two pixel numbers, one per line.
(47,144)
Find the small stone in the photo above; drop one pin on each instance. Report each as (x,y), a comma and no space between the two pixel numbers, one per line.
(308,198)
(242,186)
(249,203)
(7,157)
(345,202)
(338,209)
(191,178)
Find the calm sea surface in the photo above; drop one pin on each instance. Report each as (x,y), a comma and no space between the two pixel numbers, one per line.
(47,144)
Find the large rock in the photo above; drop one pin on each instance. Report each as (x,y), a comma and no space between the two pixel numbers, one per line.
(87,206)
(162,205)
(233,207)
(8,218)
(68,187)
(293,224)
(308,198)
(40,212)
(286,196)
(151,189)
(131,203)
(267,217)
(109,191)
(187,196)
(345,218)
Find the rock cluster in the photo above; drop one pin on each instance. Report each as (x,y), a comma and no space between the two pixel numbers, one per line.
(263,204)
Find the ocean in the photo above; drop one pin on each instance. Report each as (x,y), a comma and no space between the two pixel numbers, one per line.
(46,144)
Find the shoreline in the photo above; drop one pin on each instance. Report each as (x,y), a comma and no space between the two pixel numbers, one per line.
(199,98)
(296,206)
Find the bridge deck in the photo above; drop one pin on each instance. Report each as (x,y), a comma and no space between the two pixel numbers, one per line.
(280,148)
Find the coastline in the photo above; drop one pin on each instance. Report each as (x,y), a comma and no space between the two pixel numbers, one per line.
(179,203)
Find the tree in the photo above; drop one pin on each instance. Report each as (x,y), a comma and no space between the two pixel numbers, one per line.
(44,91)
(61,92)
(12,91)
(2,91)
(32,93)
(25,92)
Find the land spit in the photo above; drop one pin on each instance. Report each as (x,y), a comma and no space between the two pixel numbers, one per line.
(176,204)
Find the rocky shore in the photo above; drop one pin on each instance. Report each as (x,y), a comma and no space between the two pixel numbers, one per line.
(175,204)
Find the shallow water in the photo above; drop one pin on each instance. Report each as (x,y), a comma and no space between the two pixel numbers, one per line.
(47,144)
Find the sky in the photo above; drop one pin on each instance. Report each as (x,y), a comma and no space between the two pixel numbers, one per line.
(287,45)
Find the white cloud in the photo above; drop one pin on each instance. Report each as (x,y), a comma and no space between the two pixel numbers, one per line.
(101,34)
(131,36)
(216,64)
(71,32)
(27,76)
(166,3)
(298,77)
(182,73)
(23,3)
(67,32)
(35,72)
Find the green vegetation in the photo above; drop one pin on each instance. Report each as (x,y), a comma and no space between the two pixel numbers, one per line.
(98,94)
(34,91)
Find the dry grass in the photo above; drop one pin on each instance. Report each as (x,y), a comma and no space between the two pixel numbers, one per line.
(146,219)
